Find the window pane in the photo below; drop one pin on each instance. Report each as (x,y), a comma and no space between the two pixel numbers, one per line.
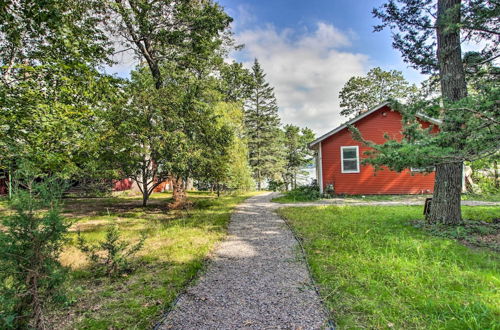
(349,153)
(350,165)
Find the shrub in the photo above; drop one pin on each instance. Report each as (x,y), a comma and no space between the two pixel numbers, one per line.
(276,185)
(30,243)
(304,193)
(111,256)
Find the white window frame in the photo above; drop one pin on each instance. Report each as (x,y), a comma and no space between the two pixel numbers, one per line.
(342,159)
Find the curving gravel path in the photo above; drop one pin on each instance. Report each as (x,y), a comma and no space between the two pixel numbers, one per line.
(256,280)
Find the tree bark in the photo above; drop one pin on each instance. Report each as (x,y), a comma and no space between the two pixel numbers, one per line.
(447,187)
(258,180)
(445,207)
(497,183)
(145,193)
(178,193)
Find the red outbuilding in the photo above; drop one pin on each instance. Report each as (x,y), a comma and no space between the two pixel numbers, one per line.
(338,160)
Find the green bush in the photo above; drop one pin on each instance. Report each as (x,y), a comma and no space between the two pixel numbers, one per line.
(111,256)
(276,185)
(30,243)
(304,193)
(487,185)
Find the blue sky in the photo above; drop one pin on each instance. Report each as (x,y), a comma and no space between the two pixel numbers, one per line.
(309,50)
(351,16)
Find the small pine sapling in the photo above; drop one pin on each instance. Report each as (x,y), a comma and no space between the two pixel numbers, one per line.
(30,244)
(111,257)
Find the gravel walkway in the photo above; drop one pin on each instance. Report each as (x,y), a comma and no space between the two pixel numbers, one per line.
(257,279)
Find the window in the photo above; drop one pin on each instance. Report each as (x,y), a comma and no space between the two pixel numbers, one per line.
(350,159)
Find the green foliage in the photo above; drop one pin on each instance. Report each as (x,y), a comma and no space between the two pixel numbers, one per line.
(297,153)
(172,131)
(111,257)
(233,171)
(262,129)
(470,124)
(187,33)
(31,241)
(377,271)
(361,94)
(414,23)
(50,84)
(276,185)
(235,84)
(300,194)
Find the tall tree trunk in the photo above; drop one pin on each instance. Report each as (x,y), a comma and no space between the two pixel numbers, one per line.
(178,193)
(145,195)
(258,180)
(145,199)
(445,206)
(447,187)
(497,183)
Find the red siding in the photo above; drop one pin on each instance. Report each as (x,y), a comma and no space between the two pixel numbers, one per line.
(121,185)
(367,181)
(164,186)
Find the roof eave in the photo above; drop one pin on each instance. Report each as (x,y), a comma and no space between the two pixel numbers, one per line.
(341,127)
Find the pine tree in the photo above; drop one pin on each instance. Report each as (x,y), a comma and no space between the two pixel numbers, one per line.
(429,35)
(263,129)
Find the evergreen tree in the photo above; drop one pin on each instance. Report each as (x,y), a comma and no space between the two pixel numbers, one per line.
(429,35)
(263,129)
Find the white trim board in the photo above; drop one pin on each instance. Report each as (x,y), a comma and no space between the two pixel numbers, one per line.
(320,164)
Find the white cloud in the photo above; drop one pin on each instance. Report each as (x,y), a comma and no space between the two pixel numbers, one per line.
(307,69)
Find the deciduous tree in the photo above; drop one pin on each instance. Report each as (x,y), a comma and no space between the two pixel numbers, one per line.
(186,35)
(297,153)
(50,86)
(360,94)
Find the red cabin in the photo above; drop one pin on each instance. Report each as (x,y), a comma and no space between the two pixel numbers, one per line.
(338,165)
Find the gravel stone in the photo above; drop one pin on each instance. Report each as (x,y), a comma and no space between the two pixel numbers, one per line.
(257,279)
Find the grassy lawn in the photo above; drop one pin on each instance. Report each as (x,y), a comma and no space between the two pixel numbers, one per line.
(176,247)
(290,197)
(376,270)
(486,198)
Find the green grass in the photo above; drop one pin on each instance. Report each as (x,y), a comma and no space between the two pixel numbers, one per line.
(177,245)
(288,198)
(375,270)
(483,197)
